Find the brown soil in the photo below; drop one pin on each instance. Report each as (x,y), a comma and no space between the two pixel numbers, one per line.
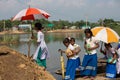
(15,66)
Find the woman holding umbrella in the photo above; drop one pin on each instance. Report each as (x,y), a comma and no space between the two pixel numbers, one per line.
(42,51)
(111,55)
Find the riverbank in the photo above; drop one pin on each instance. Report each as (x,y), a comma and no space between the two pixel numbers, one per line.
(12,32)
(66,30)
(58,30)
(16,66)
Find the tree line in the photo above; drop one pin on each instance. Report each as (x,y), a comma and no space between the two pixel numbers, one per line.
(50,25)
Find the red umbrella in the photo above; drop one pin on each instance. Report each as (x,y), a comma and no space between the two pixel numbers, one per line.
(31,14)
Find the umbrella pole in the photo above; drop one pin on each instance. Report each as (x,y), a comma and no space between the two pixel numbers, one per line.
(29,42)
(62,65)
(101,45)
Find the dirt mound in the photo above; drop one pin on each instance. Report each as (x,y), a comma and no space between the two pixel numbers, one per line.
(15,66)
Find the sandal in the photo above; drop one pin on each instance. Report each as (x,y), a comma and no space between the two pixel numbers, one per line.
(85,77)
(92,78)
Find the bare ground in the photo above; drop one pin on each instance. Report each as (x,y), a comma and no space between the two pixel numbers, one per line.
(15,66)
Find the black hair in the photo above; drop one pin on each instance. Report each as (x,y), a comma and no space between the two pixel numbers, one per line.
(38,26)
(72,39)
(108,44)
(66,40)
(88,31)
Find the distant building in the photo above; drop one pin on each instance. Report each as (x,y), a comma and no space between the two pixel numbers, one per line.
(73,27)
(85,27)
(24,26)
(14,28)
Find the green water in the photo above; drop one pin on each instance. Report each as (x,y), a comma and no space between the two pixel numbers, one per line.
(54,42)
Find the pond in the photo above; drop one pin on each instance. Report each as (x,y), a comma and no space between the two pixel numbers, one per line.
(54,42)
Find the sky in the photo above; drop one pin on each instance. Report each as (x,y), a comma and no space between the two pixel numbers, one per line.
(71,10)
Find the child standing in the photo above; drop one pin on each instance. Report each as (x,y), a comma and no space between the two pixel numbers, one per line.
(118,61)
(71,62)
(42,51)
(111,55)
(89,64)
(76,51)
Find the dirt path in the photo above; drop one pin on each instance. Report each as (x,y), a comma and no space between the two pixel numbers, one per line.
(15,66)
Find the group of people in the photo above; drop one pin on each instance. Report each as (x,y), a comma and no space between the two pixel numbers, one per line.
(88,67)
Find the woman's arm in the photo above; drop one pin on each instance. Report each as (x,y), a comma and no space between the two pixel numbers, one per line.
(77,50)
(102,51)
(60,50)
(85,46)
(114,57)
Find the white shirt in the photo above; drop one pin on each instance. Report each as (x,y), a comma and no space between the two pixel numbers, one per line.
(110,52)
(118,51)
(40,36)
(42,45)
(91,42)
(75,46)
(71,48)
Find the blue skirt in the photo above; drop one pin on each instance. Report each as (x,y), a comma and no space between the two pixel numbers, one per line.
(70,69)
(111,70)
(78,63)
(89,65)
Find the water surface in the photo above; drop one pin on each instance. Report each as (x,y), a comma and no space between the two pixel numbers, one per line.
(53,41)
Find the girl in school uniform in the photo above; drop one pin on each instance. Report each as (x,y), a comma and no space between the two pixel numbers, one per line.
(89,64)
(118,60)
(77,50)
(111,55)
(71,62)
(41,53)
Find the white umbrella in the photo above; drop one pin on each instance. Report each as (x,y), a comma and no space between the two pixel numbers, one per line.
(31,14)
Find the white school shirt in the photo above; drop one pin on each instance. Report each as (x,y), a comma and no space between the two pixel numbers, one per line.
(71,48)
(40,36)
(118,51)
(91,42)
(45,52)
(110,52)
(75,46)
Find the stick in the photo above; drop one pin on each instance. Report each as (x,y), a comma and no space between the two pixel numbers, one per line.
(29,42)
(101,45)
(62,65)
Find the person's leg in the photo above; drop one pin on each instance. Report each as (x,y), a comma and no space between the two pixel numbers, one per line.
(72,69)
(94,65)
(84,71)
(67,75)
(78,63)
(111,70)
(41,62)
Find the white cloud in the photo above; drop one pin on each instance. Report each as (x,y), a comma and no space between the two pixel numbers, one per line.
(72,3)
(109,4)
(9,8)
(64,9)
(62,3)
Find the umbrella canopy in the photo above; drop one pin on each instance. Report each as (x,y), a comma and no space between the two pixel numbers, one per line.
(105,34)
(31,14)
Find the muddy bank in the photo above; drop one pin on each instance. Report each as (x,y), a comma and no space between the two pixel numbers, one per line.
(66,30)
(15,66)
(58,30)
